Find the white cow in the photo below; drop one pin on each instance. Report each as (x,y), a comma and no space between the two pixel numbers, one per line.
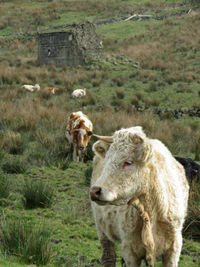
(31,88)
(139,196)
(79,93)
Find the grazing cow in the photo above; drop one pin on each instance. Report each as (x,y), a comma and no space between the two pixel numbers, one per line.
(139,196)
(79,93)
(52,90)
(78,133)
(31,88)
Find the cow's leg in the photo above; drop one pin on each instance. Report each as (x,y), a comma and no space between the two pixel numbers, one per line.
(108,258)
(129,256)
(78,154)
(71,151)
(171,257)
(83,155)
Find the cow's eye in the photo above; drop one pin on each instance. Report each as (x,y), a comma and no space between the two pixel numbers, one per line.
(128,163)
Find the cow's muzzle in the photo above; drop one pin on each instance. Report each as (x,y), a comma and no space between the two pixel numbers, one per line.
(95,193)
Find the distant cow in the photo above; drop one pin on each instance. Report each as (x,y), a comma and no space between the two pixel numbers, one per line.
(52,90)
(31,88)
(139,196)
(79,93)
(192,169)
(78,133)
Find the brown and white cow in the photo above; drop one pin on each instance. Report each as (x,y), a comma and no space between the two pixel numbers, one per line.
(78,132)
(52,90)
(139,196)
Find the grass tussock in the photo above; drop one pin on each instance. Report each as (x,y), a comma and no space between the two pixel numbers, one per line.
(4,185)
(11,142)
(36,193)
(30,243)
(192,223)
(13,164)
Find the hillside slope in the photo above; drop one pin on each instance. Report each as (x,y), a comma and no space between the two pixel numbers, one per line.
(148,75)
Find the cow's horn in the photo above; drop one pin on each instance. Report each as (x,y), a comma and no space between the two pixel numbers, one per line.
(107,139)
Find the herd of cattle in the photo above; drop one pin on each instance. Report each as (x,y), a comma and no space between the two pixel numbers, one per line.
(78,93)
(139,193)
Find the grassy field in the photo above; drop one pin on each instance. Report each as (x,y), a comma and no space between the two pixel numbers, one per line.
(148,75)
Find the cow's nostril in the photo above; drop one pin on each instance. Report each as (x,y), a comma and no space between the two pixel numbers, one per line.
(95,193)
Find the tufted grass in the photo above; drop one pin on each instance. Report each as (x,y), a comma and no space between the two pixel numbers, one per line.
(22,239)
(36,193)
(33,147)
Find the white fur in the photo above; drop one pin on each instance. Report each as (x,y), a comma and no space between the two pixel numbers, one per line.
(157,182)
(79,93)
(31,88)
(87,122)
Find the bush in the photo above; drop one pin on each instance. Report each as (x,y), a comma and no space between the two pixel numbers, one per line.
(36,193)
(19,237)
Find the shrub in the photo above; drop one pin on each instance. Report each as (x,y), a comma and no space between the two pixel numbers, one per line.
(36,193)
(19,237)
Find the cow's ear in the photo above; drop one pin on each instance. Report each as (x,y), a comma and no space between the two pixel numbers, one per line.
(100,148)
(72,116)
(136,139)
(89,133)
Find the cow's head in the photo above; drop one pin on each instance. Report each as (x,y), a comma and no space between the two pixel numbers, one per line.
(124,175)
(81,137)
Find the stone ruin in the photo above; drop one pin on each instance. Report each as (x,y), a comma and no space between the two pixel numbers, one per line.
(69,48)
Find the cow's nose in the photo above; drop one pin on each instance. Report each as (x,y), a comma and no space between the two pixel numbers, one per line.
(95,193)
(81,147)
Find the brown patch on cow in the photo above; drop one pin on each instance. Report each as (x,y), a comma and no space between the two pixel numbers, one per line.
(52,90)
(74,130)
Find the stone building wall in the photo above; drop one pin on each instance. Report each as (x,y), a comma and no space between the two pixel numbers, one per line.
(70,48)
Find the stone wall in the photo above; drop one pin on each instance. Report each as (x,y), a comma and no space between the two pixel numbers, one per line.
(70,48)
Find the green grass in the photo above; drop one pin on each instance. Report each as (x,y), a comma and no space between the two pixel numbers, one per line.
(33,146)
(125,29)
(73,236)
